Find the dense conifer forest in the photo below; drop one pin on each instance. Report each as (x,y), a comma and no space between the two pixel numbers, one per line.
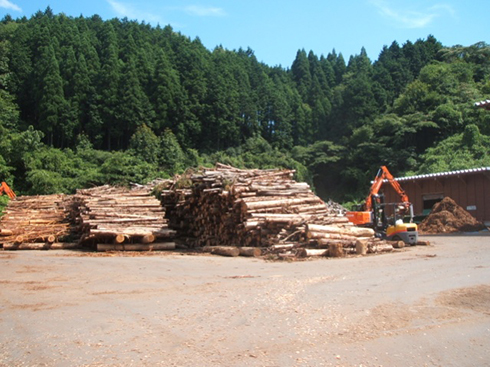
(85,102)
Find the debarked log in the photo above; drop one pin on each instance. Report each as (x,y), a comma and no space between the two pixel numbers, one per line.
(6,232)
(231,251)
(164,232)
(157,246)
(280,203)
(380,247)
(41,246)
(333,236)
(282,247)
(250,251)
(345,230)
(306,252)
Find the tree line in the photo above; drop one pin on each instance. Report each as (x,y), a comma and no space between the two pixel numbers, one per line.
(85,101)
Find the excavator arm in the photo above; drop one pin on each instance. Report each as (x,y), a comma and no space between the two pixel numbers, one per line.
(384,174)
(5,188)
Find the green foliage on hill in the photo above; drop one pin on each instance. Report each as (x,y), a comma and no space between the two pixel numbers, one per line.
(85,102)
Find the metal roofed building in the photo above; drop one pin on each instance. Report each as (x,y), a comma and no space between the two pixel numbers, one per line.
(483,104)
(469,188)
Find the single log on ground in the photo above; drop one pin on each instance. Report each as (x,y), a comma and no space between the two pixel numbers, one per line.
(380,247)
(398,244)
(225,250)
(306,252)
(250,251)
(423,243)
(282,247)
(287,255)
(42,246)
(161,246)
(64,246)
(26,246)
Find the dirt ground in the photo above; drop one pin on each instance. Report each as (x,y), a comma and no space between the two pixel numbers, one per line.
(421,306)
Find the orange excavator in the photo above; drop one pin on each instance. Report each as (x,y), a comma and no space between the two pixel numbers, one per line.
(4,188)
(372,213)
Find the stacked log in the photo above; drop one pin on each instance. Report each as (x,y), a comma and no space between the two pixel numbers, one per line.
(266,209)
(117,218)
(38,222)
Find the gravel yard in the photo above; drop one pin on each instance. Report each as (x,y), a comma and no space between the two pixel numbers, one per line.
(421,306)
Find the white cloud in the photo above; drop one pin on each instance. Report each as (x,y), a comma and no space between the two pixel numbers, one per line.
(6,4)
(131,12)
(409,18)
(203,11)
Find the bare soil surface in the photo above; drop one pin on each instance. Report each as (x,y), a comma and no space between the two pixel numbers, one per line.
(421,306)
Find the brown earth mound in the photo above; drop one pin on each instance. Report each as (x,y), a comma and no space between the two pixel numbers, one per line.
(449,217)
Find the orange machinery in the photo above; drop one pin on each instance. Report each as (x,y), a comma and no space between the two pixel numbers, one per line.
(4,188)
(372,212)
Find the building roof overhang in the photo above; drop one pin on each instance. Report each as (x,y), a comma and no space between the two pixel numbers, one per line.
(443,174)
(483,104)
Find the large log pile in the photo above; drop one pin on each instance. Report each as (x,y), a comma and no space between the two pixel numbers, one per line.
(224,210)
(116,218)
(226,206)
(38,222)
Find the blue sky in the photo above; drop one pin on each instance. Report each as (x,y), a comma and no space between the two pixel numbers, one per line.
(276,30)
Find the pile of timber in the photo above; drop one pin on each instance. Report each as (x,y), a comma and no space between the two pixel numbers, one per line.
(117,218)
(39,223)
(225,207)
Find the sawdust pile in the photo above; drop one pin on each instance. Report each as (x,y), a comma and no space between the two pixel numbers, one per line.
(449,217)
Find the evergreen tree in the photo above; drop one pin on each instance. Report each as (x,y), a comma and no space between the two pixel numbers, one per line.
(133,108)
(300,70)
(108,86)
(51,101)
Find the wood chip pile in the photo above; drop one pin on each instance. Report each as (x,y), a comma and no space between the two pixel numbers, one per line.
(38,222)
(226,206)
(116,218)
(448,217)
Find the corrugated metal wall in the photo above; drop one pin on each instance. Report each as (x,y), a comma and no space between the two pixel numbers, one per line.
(471,191)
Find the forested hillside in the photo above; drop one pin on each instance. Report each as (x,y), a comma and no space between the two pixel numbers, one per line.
(85,101)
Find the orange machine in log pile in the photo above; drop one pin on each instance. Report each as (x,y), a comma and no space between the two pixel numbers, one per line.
(373,212)
(4,188)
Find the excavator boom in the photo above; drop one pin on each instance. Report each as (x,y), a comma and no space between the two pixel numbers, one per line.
(384,174)
(5,188)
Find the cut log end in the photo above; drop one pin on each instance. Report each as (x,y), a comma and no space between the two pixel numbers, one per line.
(335,250)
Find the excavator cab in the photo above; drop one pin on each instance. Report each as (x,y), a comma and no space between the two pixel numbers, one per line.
(387,219)
(4,188)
